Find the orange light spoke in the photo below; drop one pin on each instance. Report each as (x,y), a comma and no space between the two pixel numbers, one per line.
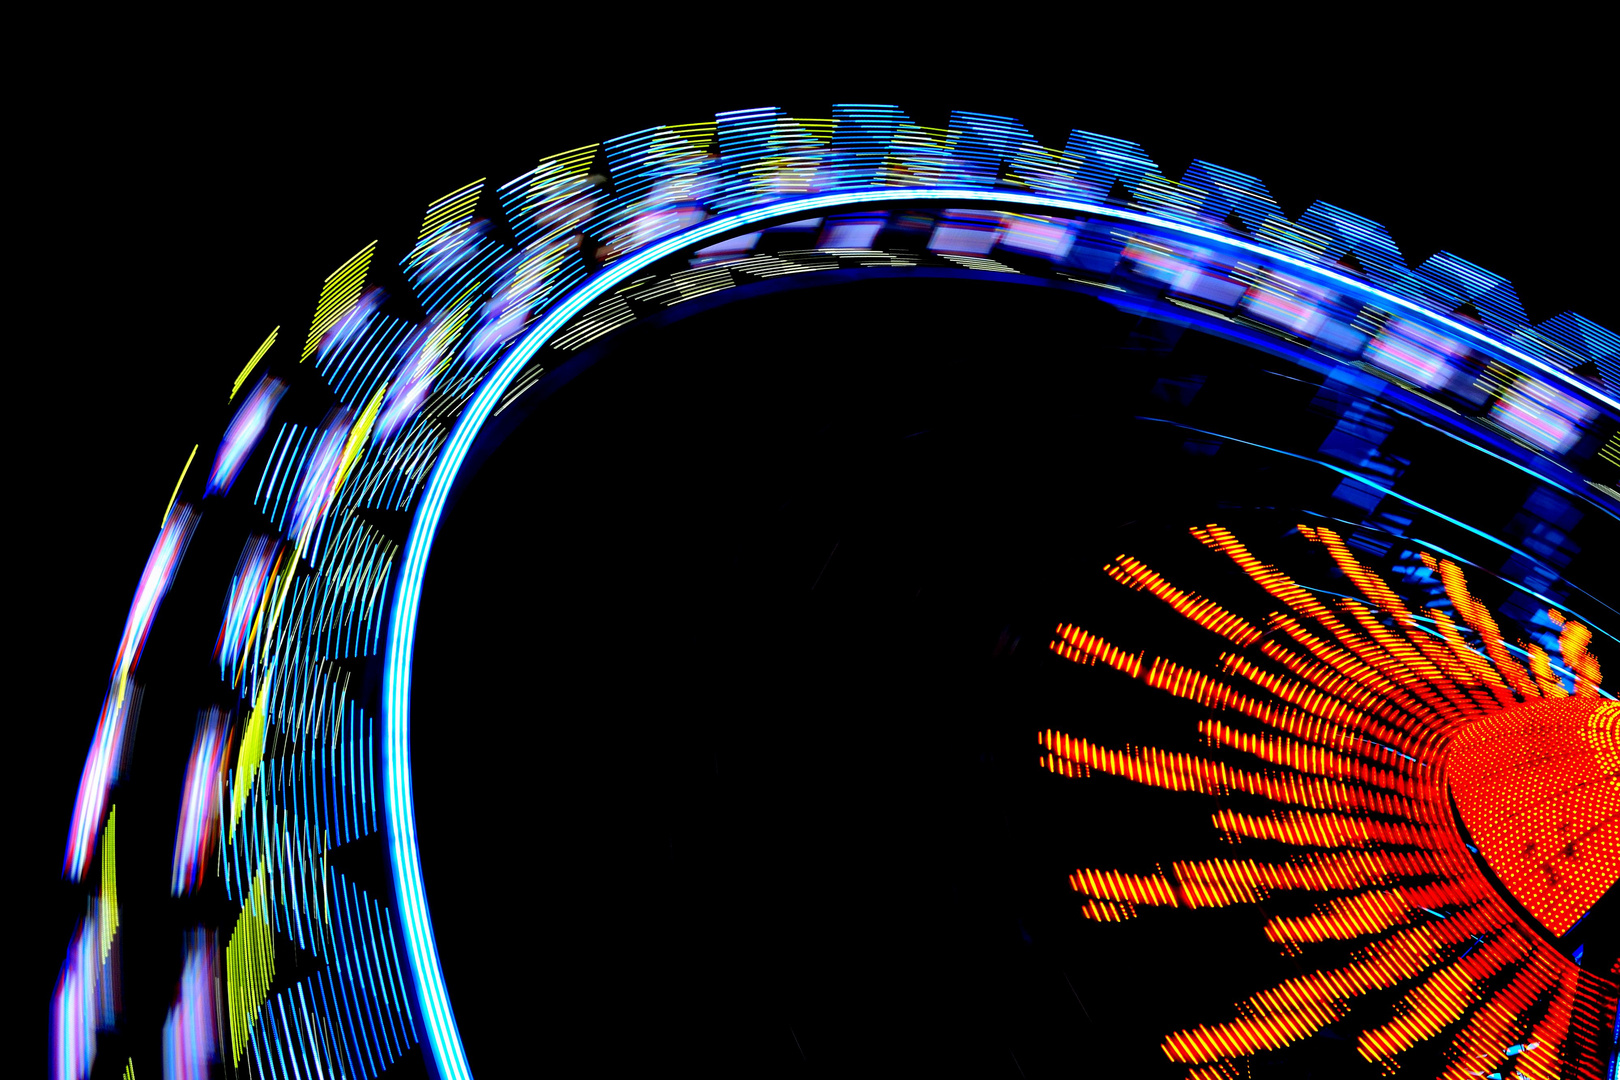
(1370,725)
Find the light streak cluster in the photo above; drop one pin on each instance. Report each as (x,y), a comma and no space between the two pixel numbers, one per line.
(1365,725)
(747,197)
(1324,324)
(190,1035)
(118,709)
(250,965)
(351,1016)
(87,995)
(243,434)
(197,834)
(251,590)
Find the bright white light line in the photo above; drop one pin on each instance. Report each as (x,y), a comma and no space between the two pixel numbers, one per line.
(447,1054)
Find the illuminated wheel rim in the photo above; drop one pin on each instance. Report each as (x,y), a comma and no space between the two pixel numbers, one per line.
(983,176)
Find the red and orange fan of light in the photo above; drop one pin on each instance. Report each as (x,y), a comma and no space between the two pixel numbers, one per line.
(1381,749)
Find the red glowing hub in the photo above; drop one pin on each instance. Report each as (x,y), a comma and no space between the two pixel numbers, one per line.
(1538,787)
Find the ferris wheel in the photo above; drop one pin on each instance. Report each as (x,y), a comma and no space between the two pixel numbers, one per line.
(1370,445)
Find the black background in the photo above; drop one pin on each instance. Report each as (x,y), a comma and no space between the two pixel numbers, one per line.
(180,193)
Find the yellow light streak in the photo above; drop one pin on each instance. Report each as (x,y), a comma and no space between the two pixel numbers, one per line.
(176,493)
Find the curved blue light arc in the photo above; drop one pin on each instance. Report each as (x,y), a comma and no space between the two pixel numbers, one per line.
(443,1039)
(1392,493)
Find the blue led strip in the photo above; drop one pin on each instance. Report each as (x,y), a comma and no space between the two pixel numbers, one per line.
(443,1036)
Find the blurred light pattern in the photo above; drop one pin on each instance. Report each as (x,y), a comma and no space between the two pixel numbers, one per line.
(243,434)
(338,296)
(276,869)
(249,753)
(426,359)
(250,965)
(1360,720)
(190,1046)
(252,586)
(322,474)
(1541,415)
(87,992)
(197,834)
(253,362)
(76,1007)
(584,244)
(107,748)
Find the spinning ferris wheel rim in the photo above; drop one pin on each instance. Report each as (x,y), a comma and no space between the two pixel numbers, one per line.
(405,860)
(456,457)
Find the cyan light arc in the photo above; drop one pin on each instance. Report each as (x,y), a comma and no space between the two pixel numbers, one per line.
(443,1037)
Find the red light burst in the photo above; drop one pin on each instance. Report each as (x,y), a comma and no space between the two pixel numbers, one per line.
(1356,721)
(1538,788)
